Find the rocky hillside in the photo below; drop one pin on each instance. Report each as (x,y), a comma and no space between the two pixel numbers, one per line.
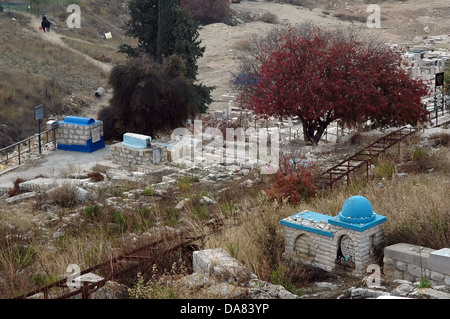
(78,216)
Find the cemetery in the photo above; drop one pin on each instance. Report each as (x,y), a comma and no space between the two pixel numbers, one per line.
(350,242)
(196,186)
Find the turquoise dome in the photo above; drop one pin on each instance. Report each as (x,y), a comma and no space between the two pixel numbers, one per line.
(357,209)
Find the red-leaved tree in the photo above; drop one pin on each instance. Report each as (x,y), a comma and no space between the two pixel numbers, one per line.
(327,77)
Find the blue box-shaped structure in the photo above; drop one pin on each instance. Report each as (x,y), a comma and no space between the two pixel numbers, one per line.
(137,140)
(80,134)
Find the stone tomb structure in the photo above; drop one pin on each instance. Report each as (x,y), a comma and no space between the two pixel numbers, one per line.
(412,263)
(137,150)
(80,134)
(347,241)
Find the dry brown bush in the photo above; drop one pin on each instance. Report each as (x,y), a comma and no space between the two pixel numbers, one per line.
(443,139)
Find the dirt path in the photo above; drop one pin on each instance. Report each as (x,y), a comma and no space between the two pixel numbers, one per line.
(57,39)
(95,104)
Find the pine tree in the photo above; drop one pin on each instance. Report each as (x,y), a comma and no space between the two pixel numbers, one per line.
(143,26)
(163,30)
(167,20)
(186,43)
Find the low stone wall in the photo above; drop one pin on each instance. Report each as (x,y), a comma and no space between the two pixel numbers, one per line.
(410,262)
(132,158)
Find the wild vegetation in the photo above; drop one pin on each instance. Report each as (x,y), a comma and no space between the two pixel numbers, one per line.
(209,11)
(40,237)
(35,72)
(55,229)
(307,72)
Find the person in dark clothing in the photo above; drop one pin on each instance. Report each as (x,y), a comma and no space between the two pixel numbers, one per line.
(45,24)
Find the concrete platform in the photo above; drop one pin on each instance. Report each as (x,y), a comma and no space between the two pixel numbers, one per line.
(55,164)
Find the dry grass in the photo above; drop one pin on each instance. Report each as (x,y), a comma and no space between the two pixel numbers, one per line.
(417,208)
(99,51)
(36,72)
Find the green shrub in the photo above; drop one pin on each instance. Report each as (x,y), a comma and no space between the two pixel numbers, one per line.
(385,169)
(149,191)
(280,277)
(17,258)
(293,182)
(65,196)
(143,218)
(119,218)
(92,212)
(151,290)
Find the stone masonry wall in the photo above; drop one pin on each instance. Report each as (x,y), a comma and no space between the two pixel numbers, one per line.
(72,134)
(410,262)
(131,157)
(321,251)
(365,244)
(307,247)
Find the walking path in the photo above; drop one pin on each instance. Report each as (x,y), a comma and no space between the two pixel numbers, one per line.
(57,39)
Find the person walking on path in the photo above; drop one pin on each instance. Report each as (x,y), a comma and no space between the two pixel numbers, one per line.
(45,24)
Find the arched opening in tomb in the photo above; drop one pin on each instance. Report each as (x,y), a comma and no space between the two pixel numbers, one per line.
(305,249)
(345,255)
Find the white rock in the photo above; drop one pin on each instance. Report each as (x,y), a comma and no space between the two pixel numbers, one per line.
(326,285)
(181,204)
(21,197)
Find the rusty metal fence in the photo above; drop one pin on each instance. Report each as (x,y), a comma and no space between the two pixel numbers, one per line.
(362,159)
(138,259)
(33,144)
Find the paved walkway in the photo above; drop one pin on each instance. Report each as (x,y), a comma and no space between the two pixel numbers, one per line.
(55,164)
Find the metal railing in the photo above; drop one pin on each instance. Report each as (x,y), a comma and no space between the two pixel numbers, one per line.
(138,259)
(28,145)
(363,158)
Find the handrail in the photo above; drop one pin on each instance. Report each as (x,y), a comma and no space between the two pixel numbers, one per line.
(8,151)
(363,156)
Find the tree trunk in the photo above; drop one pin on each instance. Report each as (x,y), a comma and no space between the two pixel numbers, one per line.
(313,130)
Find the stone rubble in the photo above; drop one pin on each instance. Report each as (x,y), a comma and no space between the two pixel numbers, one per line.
(402,289)
(322,225)
(227,278)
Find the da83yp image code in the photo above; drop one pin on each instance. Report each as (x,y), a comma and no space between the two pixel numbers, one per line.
(227,308)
